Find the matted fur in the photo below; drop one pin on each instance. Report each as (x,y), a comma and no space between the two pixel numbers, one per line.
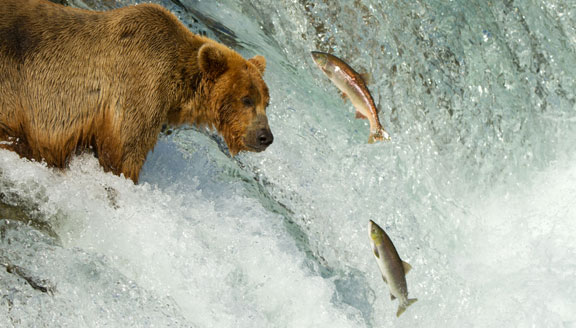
(73,79)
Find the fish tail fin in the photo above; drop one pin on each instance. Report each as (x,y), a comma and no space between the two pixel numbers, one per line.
(379,135)
(385,135)
(402,307)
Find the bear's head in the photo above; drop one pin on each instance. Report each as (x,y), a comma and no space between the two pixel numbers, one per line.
(238,97)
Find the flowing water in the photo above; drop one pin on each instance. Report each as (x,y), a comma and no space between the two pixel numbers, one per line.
(477,187)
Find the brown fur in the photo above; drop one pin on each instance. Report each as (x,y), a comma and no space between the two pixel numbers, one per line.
(73,79)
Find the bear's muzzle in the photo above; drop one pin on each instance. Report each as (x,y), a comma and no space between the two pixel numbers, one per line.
(259,136)
(266,138)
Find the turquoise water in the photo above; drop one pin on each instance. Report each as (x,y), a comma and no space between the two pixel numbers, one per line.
(476,188)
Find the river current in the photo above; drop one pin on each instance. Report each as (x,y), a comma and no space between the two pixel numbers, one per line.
(476,188)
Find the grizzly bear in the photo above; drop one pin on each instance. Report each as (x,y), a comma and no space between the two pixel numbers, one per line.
(74,79)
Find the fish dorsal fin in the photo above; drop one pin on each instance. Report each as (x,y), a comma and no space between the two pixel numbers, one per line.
(367,77)
(407,267)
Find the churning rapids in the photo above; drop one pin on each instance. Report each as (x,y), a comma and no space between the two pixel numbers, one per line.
(477,187)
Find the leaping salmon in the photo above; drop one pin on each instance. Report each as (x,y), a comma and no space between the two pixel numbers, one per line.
(393,269)
(354,87)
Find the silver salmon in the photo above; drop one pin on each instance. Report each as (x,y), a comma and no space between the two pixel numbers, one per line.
(354,87)
(393,269)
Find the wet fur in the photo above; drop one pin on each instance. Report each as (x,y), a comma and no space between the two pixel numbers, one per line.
(74,79)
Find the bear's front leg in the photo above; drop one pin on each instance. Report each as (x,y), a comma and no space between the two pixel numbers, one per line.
(136,147)
(125,136)
(124,156)
(132,165)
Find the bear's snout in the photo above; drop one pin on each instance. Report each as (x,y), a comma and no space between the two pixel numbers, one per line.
(258,139)
(258,136)
(265,137)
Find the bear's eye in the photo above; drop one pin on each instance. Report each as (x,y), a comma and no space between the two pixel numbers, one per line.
(248,102)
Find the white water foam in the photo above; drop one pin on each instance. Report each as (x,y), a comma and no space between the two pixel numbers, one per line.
(475,189)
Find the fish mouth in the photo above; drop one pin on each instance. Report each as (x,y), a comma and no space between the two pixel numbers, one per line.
(373,231)
(319,58)
(318,53)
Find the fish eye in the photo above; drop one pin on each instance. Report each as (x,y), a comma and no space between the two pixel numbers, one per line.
(247,101)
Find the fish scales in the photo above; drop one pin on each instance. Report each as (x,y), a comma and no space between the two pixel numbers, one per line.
(392,268)
(354,87)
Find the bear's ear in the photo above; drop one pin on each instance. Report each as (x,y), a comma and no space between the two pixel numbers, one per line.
(212,61)
(259,62)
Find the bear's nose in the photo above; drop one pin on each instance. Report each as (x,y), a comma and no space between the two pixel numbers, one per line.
(265,137)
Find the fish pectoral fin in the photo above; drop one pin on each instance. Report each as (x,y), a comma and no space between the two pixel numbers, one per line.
(392,297)
(360,116)
(407,267)
(375,250)
(344,96)
(384,278)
